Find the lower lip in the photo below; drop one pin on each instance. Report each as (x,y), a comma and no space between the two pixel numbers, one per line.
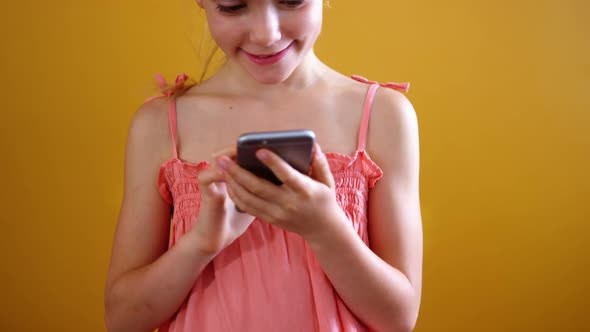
(265,61)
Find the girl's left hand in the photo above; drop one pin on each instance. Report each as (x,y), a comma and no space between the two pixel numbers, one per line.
(305,205)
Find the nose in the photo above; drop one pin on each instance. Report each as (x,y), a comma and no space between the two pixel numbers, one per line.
(265,29)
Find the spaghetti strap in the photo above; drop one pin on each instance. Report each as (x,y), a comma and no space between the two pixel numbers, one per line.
(368,105)
(172,121)
(171,91)
(366,116)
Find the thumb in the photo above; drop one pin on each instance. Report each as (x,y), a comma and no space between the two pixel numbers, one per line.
(320,168)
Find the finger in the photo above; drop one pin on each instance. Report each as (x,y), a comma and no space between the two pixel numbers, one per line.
(282,170)
(210,181)
(210,175)
(245,202)
(250,182)
(320,168)
(235,200)
(228,151)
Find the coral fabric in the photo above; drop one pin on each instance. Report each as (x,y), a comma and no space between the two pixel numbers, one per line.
(267,279)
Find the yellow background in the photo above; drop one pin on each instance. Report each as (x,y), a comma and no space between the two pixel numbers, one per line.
(501,92)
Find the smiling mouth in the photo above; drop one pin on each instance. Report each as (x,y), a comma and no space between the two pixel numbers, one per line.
(269,55)
(268,59)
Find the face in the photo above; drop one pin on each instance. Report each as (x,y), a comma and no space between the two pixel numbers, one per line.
(269,39)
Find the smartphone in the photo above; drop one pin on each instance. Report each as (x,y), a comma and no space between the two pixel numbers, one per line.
(293,146)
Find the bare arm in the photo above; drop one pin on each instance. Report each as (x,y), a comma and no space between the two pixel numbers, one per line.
(147,284)
(382,285)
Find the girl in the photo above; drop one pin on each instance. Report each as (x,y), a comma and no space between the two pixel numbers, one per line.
(338,250)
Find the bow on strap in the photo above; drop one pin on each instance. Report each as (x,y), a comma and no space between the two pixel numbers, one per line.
(171,90)
(404,87)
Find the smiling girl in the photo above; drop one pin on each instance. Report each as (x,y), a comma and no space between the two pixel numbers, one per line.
(339,249)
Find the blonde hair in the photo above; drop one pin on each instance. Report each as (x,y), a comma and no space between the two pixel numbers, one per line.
(205,51)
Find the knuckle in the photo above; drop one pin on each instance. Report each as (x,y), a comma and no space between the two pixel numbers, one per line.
(289,178)
(290,209)
(257,190)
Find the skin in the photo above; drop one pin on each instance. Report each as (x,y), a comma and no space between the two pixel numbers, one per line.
(381,285)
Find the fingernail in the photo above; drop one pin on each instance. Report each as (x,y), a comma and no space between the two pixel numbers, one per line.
(261,154)
(223,163)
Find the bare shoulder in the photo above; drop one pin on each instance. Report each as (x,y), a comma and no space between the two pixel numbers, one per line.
(387,101)
(151,118)
(393,126)
(393,118)
(150,128)
(392,110)
(348,90)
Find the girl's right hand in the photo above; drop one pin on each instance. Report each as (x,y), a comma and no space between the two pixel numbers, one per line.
(218,223)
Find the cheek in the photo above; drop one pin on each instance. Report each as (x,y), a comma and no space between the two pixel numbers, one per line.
(315,25)
(306,25)
(224,35)
(315,16)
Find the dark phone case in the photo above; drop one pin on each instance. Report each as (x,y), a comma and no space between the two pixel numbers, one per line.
(293,146)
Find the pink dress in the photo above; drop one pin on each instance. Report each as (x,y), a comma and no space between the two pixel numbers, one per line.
(268,279)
